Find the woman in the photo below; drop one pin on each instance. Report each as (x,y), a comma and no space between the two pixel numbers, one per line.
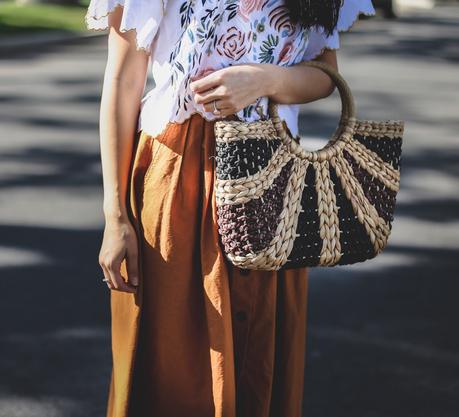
(191,334)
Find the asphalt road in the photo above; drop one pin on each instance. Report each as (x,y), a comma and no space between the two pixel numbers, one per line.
(382,336)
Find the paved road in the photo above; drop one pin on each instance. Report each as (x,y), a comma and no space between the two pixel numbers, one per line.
(383,338)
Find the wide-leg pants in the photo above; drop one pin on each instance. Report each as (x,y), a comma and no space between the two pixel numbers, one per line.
(201,338)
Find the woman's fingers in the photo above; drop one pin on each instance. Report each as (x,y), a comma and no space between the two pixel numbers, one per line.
(112,271)
(119,244)
(132,264)
(207,101)
(205,83)
(218,93)
(107,277)
(118,282)
(224,103)
(220,105)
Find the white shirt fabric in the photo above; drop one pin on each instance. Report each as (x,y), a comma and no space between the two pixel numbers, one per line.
(184,38)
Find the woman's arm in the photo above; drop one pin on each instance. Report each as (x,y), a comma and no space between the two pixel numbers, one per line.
(238,86)
(124,83)
(284,85)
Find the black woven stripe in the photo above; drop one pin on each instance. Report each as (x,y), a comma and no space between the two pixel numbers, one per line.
(356,246)
(243,157)
(307,247)
(250,227)
(378,195)
(388,149)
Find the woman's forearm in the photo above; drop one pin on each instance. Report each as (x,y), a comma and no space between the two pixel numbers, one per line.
(118,118)
(124,83)
(296,84)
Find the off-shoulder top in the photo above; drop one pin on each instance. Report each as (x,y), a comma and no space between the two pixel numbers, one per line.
(185,38)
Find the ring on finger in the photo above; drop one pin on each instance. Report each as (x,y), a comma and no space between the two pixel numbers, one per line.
(107,281)
(216,110)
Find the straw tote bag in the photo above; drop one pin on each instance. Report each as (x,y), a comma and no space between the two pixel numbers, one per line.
(280,206)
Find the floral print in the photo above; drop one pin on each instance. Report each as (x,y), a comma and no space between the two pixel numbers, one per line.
(247,7)
(266,52)
(189,37)
(227,32)
(234,43)
(285,54)
(280,22)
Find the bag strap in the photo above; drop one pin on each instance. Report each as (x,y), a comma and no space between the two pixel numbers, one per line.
(347,100)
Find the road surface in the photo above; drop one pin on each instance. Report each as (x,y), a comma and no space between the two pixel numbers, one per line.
(382,336)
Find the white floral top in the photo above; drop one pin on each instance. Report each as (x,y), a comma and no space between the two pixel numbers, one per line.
(184,38)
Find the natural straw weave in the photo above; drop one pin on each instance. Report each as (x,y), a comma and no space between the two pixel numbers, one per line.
(280,206)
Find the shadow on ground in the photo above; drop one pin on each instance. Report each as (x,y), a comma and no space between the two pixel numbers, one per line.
(55,315)
(381,335)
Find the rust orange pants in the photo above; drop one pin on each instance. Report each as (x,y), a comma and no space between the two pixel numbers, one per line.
(201,338)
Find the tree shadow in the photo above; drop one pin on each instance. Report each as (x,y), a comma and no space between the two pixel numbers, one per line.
(54,313)
(380,340)
(65,168)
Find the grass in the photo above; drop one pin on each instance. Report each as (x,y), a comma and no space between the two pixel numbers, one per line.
(16,19)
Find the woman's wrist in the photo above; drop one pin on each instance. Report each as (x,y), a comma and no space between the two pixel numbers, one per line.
(271,79)
(115,213)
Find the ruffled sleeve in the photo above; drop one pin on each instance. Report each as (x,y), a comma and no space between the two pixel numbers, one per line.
(348,15)
(143,16)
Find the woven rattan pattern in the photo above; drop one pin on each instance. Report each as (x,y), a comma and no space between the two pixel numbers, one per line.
(280,206)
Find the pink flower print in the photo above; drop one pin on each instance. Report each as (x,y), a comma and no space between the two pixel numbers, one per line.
(286,53)
(234,43)
(248,6)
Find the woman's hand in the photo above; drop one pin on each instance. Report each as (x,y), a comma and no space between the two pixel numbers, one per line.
(119,243)
(237,86)
(234,87)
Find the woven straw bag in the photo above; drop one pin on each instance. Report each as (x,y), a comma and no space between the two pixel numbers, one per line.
(280,206)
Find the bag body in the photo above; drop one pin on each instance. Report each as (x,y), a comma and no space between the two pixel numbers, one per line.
(281,206)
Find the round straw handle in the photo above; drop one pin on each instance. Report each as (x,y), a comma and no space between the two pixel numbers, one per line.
(347,100)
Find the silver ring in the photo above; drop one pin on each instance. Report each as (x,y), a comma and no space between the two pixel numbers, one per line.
(216,111)
(105,279)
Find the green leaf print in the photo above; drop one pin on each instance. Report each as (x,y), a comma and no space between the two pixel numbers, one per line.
(267,48)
